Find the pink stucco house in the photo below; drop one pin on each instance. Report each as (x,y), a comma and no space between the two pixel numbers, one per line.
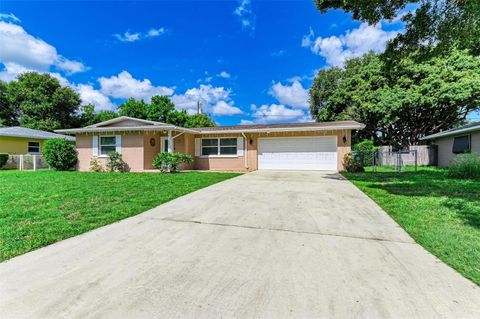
(294,146)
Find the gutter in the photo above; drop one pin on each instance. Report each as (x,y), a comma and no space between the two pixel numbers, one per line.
(245,150)
(446,134)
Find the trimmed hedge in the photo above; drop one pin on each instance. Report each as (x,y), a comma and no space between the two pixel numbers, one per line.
(60,154)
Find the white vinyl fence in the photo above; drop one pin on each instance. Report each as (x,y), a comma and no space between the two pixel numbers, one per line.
(26,162)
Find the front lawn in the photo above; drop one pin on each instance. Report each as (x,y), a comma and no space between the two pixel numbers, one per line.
(40,208)
(442,214)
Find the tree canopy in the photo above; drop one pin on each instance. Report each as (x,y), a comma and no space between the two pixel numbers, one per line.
(162,109)
(402,104)
(433,26)
(39,101)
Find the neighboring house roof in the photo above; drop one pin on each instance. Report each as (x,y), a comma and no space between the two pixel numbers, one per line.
(454,131)
(18,131)
(125,118)
(158,126)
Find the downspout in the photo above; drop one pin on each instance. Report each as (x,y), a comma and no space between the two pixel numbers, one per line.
(245,150)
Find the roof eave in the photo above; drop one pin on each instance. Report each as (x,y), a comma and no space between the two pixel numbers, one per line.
(286,129)
(124,129)
(446,134)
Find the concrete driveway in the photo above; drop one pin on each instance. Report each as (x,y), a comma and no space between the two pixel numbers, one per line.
(263,245)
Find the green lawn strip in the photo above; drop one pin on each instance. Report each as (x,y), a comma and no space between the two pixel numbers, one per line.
(43,207)
(440,213)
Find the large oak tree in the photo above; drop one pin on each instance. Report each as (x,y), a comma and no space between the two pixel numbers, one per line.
(401,104)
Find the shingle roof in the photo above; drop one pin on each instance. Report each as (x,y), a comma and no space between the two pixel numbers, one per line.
(18,131)
(333,125)
(454,131)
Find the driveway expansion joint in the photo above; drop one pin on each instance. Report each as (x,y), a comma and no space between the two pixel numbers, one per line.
(284,230)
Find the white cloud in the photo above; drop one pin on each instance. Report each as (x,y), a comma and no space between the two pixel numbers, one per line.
(155,32)
(245,14)
(292,95)
(9,17)
(125,86)
(223,108)
(91,96)
(275,113)
(215,100)
(354,43)
(127,36)
(22,49)
(224,74)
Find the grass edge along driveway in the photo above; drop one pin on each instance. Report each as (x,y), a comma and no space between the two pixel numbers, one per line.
(43,207)
(440,213)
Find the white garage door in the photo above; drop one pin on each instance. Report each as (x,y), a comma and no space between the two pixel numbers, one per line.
(298,153)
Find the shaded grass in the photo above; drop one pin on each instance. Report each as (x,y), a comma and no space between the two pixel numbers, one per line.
(40,208)
(442,214)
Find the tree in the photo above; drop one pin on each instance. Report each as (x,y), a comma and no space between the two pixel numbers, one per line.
(160,108)
(88,116)
(134,108)
(199,120)
(435,26)
(402,104)
(39,101)
(7,113)
(60,154)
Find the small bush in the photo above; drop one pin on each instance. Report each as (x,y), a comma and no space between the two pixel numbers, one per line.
(3,159)
(352,163)
(465,166)
(95,166)
(170,162)
(365,150)
(60,154)
(115,163)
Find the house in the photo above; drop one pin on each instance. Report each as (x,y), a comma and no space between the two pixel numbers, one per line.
(464,139)
(18,140)
(295,146)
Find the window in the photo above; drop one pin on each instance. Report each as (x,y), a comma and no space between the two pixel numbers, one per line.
(219,146)
(461,144)
(34,147)
(107,144)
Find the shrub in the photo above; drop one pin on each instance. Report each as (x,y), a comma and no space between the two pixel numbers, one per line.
(60,154)
(95,166)
(465,166)
(3,159)
(352,163)
(115,163)
(170,162)
(365,150)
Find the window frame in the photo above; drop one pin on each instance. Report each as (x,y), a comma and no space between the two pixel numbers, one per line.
(100,145)
(38,152)
(219,147)
(469,139)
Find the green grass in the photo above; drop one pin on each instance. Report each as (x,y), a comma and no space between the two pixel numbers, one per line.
(43,207)
(442,214)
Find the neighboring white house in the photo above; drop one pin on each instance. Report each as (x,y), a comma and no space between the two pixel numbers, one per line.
(464,139)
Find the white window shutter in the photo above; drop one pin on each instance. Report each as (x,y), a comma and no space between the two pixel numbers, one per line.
(118,144)
(95,145)
(239,146)
(198,144)
(162,143)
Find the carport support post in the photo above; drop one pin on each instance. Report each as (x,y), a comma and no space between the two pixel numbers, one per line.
(170,142)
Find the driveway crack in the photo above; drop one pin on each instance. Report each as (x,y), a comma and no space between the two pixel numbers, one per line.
(285,230)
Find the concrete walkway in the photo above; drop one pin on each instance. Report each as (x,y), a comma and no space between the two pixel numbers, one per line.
(263,245)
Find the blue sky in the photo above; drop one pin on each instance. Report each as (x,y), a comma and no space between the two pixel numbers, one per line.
(245,61)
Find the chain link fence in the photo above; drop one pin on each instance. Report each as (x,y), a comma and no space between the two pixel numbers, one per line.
(26,162)
(398,161)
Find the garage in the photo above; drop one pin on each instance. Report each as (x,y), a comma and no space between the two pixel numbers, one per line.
(298,153)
